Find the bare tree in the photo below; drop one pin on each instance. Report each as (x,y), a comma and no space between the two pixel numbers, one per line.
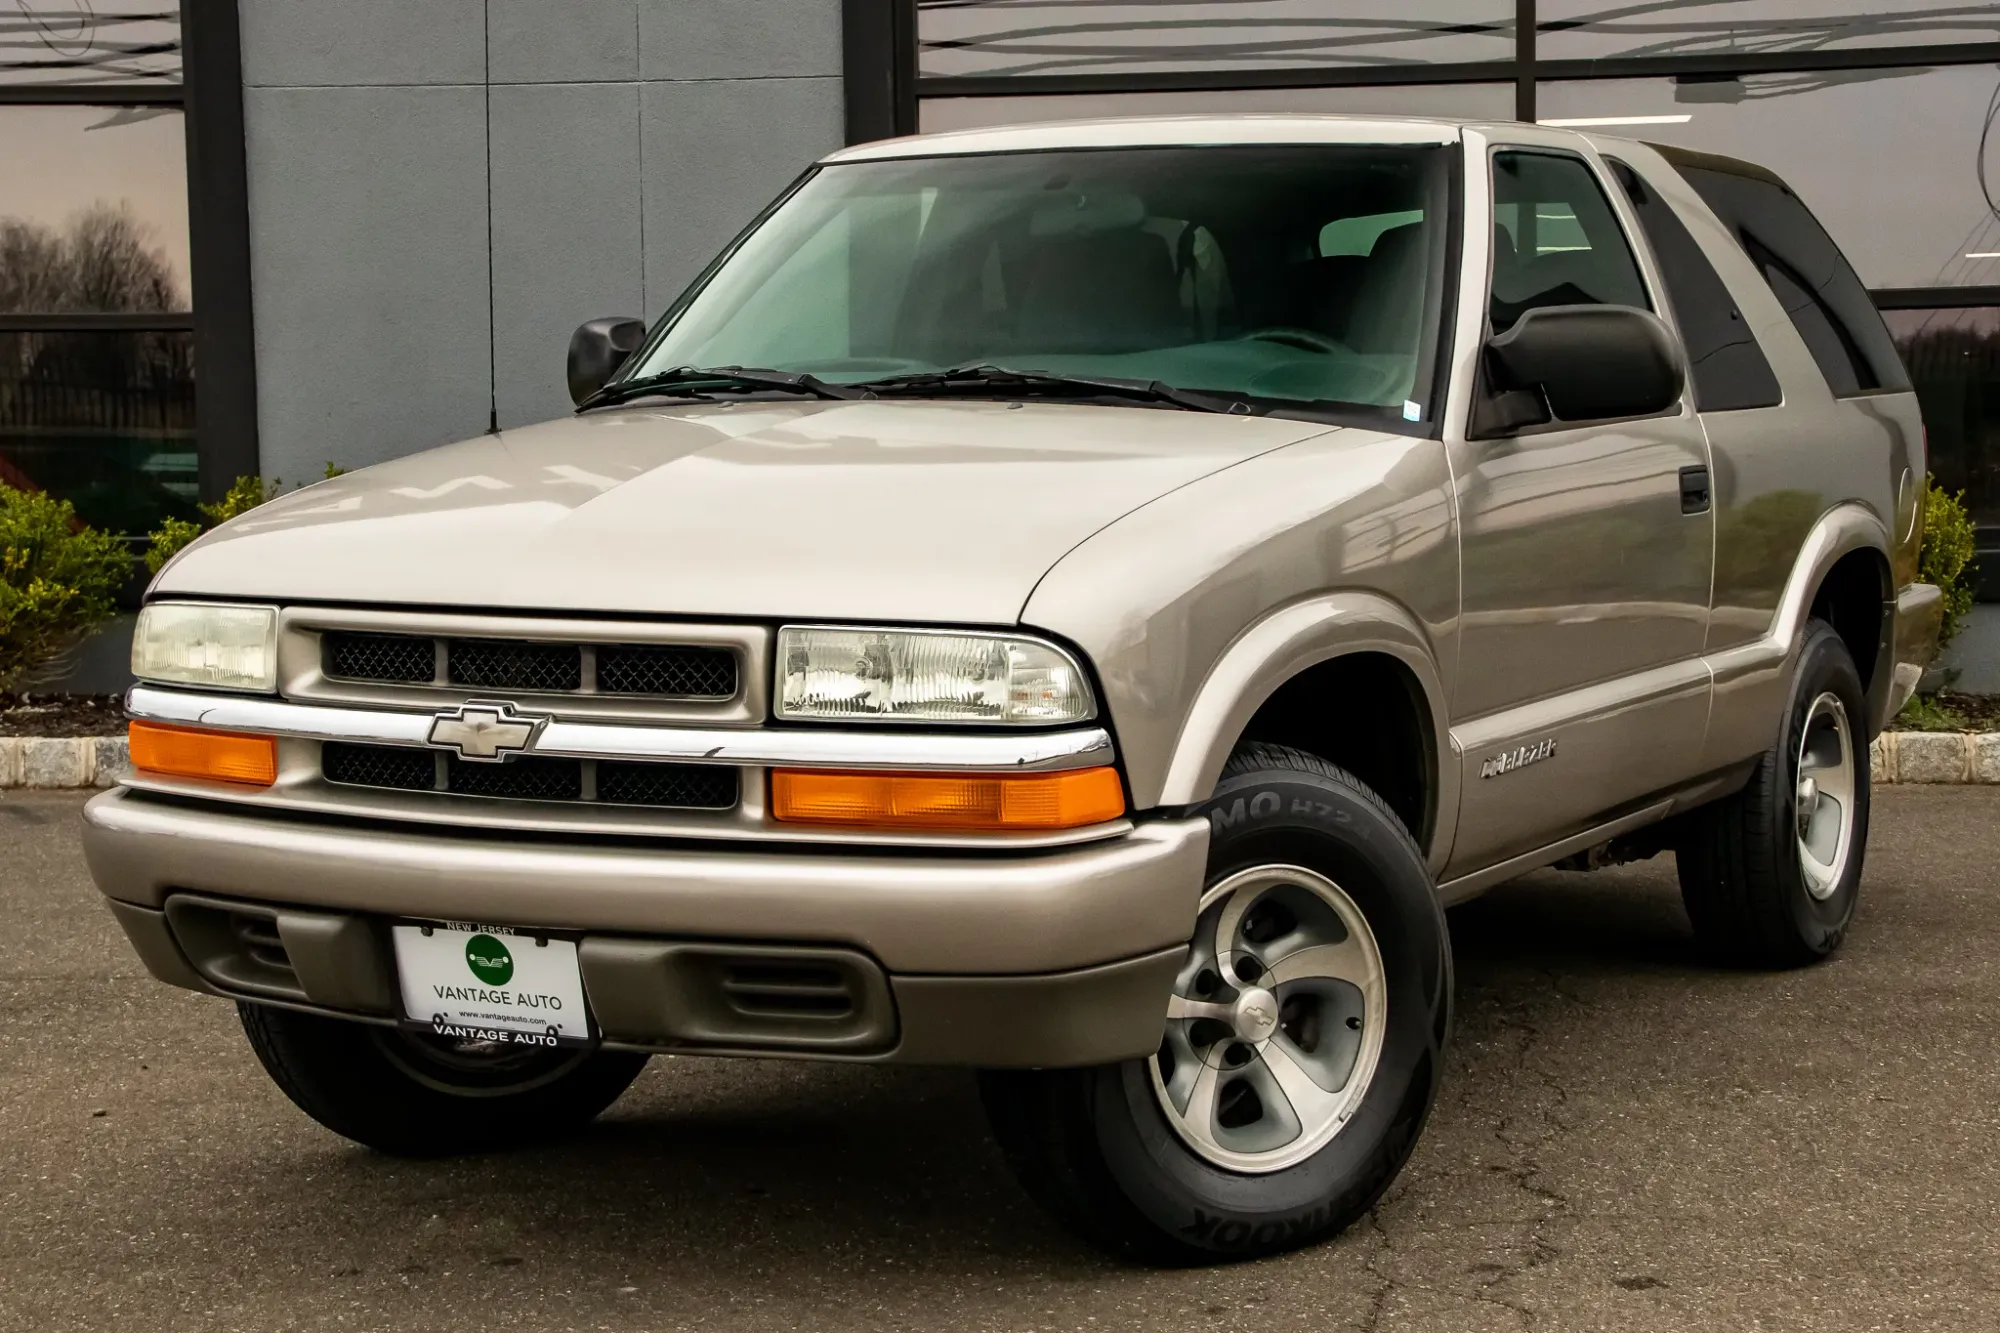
(103,260)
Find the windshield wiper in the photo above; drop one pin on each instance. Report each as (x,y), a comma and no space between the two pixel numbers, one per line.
(999,380)
(708,379)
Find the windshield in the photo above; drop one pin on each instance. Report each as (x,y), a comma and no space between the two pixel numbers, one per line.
(1301,274)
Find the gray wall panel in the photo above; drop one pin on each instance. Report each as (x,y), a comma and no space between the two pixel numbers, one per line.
(565,231)
(368,272)
(536,41)
(738,39)
(628,141)
(304,43)
(716,152)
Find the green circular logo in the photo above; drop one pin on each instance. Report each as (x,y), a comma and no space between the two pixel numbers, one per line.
(489,960)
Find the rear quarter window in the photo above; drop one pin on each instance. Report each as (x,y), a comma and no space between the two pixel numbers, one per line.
(1728,368)
(1805,269)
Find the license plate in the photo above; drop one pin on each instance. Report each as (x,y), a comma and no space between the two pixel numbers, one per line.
(493,984)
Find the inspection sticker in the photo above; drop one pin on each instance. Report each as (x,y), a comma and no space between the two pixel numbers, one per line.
(489,983)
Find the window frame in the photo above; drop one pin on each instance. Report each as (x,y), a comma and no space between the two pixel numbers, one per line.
(1643,260)
(1674,315)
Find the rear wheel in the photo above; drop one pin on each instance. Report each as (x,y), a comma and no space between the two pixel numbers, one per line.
(1771,875)
(413,1094)
(1302,1045)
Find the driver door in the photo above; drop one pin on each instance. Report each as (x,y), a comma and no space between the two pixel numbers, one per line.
(1581,691)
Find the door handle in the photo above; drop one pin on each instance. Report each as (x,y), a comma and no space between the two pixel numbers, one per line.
(1694,490)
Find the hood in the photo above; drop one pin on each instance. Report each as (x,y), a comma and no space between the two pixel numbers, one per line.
(924,512)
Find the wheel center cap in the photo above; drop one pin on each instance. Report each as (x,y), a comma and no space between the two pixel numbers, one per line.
(1256,1015)
(1806,804)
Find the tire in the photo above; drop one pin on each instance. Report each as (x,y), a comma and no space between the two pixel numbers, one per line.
(413,1095)
(1114,1154)
(1757,893)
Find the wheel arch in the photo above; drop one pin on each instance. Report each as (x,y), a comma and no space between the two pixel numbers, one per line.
(1855,596)
(1266,683)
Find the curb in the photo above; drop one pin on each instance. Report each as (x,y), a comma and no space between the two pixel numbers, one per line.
(56,762)
(1936,756)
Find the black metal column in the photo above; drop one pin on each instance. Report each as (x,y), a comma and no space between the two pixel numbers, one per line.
(225,353)
(879,67)
(1524,61)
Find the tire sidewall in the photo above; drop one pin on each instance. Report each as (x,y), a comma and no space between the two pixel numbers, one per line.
(1285,817)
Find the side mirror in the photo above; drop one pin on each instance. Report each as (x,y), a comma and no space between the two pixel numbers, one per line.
(597,349)
(1590,362)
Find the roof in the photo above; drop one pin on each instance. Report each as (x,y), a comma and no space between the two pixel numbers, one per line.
(1158,131)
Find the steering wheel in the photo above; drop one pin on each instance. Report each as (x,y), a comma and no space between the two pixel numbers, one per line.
(1306,340)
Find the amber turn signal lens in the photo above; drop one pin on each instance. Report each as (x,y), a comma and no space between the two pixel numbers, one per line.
(1013,802)
(220,756)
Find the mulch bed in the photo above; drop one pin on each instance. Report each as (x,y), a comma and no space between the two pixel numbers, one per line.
(1976,712)
(62,715)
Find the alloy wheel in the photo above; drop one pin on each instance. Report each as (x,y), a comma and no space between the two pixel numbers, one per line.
(1276,1021)
(1823,799)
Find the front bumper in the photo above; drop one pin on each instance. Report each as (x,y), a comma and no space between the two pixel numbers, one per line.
(1056,957)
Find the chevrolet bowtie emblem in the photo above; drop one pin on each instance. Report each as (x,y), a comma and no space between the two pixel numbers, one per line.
(486,732)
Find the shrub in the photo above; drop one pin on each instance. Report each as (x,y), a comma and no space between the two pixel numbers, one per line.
(1947,548)
(57,581)
(166,541)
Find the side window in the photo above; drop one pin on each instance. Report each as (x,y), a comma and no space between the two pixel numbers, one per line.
(1811,278)
(1727,366)
(1555,239)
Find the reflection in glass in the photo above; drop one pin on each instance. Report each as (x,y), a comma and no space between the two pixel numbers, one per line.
(93,215)
(1888,159)
(1953,357)
(1588,29)
(105,420)
(106,42)
(1199,268)
(957,37)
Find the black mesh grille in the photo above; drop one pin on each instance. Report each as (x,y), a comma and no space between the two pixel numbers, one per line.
(682,672)
(500,664)
(684,786)
(399,768)
(397,657)
(520,779)
(378,766)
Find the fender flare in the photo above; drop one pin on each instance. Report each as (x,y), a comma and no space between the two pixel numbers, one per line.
(1749,678)
(1285,642)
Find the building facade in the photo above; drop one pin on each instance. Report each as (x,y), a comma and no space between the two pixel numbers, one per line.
(261,236)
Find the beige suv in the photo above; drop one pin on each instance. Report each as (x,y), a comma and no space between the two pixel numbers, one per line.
(1076,602)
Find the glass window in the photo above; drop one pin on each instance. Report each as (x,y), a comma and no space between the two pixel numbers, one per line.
(90,41)
(1099,36)
(1588,29)
(1727,366)
(1198,267)
(1555,239)
(1450,101)
(1813,282)
(93,216)
(1887,159)
(104,420)
(1953,358)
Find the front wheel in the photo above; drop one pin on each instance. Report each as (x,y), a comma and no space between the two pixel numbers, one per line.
(1302,1046)
(412,1094)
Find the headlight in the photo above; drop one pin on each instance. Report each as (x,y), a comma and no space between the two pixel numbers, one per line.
(924,676)
(196,643)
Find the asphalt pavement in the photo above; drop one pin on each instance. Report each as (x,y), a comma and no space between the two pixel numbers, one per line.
(1629,1139)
